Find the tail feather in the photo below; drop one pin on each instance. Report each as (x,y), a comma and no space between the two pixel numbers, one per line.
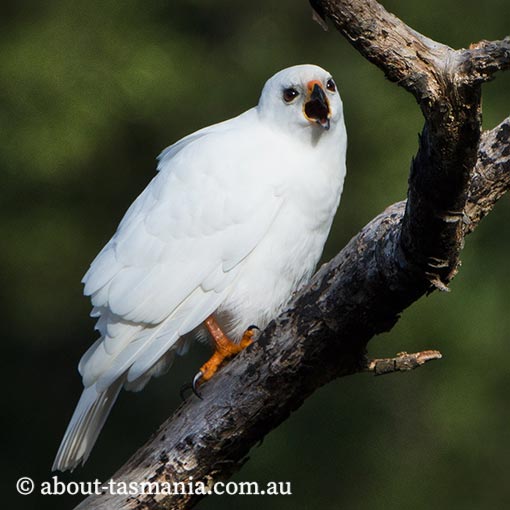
(86,423)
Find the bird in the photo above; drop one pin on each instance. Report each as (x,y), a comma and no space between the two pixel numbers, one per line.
(232,225)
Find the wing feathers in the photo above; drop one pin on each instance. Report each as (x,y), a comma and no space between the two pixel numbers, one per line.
(101,271)
(176,252)
(196,309)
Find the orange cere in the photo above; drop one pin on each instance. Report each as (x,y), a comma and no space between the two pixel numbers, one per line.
(310,85)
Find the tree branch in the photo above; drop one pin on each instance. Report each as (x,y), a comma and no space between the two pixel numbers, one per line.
(490,179)
(446,84)
(403,362)
(394,260)
(484,59)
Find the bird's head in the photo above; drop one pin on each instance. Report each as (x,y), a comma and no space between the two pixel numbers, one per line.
(302,97)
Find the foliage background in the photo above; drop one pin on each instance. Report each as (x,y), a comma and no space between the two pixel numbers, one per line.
(90,93)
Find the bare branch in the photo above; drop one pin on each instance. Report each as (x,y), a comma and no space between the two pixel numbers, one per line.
(446,84)
(412,60)
(490,179)
(485,58)
(403,362)
(407,57)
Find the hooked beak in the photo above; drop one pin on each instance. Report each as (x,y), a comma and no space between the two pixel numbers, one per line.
(316,106)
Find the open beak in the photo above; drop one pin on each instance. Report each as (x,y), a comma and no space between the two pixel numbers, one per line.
(316,106)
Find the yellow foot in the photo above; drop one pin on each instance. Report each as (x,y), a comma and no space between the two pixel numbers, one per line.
(224,349)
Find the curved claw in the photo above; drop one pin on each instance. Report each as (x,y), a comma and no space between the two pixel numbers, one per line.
(194,384)
(253,327)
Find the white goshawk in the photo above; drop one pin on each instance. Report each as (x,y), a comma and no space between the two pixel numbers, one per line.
(233,223)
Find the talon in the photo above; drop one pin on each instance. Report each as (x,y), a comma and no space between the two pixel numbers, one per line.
(248,336)
(194,384)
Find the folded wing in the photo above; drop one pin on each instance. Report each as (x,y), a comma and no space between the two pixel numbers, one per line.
(174,255)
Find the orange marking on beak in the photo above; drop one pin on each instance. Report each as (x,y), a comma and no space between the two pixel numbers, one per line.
(310,85)
(316,106)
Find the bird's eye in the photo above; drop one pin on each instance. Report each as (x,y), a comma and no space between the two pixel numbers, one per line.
(330,85)
(290,94)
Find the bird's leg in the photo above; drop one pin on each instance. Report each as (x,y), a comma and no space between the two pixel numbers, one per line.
(224,349)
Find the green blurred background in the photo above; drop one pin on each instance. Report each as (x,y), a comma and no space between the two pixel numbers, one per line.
(90,93)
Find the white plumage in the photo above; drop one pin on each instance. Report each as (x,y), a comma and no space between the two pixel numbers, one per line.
(233,223)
